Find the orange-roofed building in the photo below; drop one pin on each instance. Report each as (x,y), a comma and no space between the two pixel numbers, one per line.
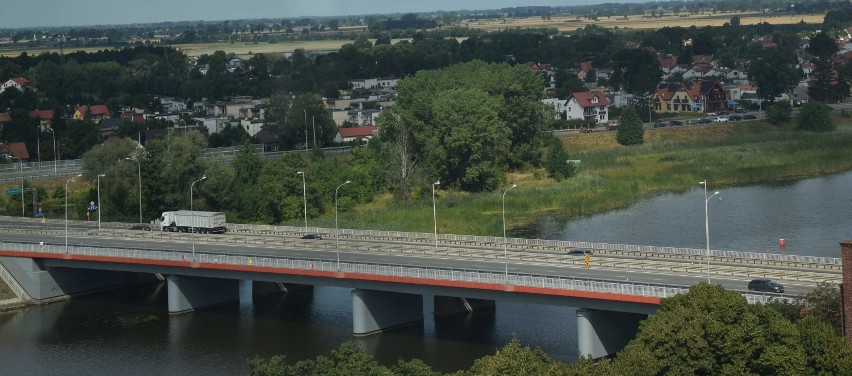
(351,134)
(45,118)
(94,113)
(14,149)
(20,83)
(588,105)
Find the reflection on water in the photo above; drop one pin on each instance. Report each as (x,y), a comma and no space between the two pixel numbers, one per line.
(812,215)
(131,333)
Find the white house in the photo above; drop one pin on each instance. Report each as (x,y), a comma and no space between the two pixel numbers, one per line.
(559,106)
(20,83)
(351,134)
(591,106)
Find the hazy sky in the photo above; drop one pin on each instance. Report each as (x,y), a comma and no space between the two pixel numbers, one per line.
(26,13)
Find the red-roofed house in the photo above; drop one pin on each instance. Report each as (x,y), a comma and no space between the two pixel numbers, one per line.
(14,149)
(45,118)
(667,62)
(695,96)
(351,134)
(20,83)
(94,113)
(587,105)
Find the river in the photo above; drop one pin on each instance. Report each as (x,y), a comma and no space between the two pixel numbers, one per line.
(129,332)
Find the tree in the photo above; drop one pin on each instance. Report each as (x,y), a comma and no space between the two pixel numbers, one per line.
(630,130)
(815,117)
(712,331)
(822,46)
(779,112)
(637,71)
(515,359)
(775,71)
(556,163)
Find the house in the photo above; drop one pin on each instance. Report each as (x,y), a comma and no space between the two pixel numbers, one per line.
(588,105)
(374,83)
(667,62)
(267,139)
(107,127)
(94,113)
(20,83)
(45,118)
(560,107)
(14,149)
(355,133)
(695,96)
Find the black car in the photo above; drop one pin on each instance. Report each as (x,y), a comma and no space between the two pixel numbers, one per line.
(580,252)
(675,123)
(765,285)
(741,110)
(311,236)
(141,227)
(735,118)
(749,117)
(704,121)
(659,124)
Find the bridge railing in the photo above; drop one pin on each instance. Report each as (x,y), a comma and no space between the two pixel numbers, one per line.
(378,269)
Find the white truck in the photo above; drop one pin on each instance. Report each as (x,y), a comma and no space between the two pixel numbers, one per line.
(193,221)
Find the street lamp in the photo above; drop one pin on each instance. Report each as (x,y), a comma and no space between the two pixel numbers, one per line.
(336,228)
(21,162)
(435,213)
(505,252)
(99,200)
(139,168)
(306,130)
(707,225)
(66,210)
(54,148)
(304,195)
(190,209)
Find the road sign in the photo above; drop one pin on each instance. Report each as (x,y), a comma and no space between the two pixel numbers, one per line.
(12,191)
(92,207)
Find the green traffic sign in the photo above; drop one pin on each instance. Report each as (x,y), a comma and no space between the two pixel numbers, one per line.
(13,191)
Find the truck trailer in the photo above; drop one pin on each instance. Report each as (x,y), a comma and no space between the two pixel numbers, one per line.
(193,221)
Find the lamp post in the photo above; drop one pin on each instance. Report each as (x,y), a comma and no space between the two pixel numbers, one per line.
(336,228)
(38,145)
(66,210)
(434,212)
(139,170)
(190,209)
(306,129)
(707,225)
(505,251)
(55,161)
(304,194)
(99,200)
(21,162)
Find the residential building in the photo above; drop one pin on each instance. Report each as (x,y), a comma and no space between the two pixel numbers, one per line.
(45,118)
(588,105)
(374,83)
(252,126)
(14,149)
(20,83)
(94,113)
(355,133)
(560,107)
(695,96)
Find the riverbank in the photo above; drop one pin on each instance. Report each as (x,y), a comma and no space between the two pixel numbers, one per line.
(613,176)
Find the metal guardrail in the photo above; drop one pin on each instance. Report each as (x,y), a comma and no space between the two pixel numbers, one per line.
(564,244)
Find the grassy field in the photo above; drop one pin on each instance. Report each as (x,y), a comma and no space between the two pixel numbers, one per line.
(566,23)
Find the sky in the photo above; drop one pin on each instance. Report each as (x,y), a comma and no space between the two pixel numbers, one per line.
(34,13)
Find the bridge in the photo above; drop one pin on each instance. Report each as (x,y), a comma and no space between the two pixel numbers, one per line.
(390,272)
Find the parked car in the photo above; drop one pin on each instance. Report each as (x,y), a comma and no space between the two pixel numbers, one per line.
(659,124)
(723,112)
(721,119)
(712,114)
(311,236)
(765,285)
(580,252)
(675,123)
(749,117)
(741,110)
(611,127)
(140,227)
(735,118)
(704,121)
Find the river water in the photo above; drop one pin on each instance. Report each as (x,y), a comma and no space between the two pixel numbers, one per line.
(129,332)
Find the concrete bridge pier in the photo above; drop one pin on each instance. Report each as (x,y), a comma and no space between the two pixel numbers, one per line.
(602,333)
(187,294)
(376,311)
(450,305)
